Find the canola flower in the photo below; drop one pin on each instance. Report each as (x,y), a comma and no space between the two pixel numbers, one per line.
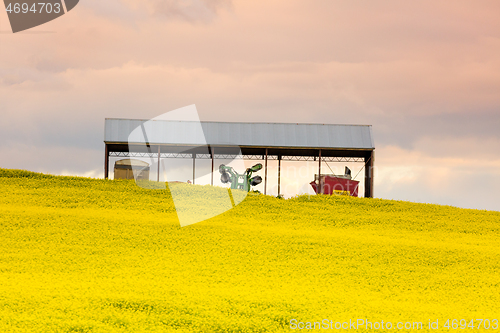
(87,255)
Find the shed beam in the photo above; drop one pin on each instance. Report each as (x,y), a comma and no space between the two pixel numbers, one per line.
(106,161)
(320,183)
(158,174)
(369,173)
(279,174)
(265,174)
(212,153)
(194,167)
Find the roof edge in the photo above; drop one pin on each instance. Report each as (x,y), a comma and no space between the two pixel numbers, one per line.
(240,122)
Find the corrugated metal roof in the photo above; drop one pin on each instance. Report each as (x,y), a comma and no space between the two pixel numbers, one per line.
(240,134)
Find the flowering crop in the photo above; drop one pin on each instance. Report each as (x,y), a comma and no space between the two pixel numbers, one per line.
(88,255)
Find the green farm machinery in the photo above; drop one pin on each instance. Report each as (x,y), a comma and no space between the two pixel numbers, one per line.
(238,181)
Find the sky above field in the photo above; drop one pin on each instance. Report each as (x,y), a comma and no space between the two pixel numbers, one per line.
(425,74)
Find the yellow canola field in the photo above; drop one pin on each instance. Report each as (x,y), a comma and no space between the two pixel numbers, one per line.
(86,255)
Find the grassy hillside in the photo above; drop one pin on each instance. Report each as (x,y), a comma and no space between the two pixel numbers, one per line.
(84,255)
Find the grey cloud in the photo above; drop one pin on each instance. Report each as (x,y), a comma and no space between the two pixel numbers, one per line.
(17,76)
(10,80)
(416,78)
(50,64)
(50,159)
(112,10)
(406,130)
(132,13)
(189,10)
(472,188)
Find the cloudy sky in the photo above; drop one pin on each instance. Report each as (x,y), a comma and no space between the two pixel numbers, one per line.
(425,74)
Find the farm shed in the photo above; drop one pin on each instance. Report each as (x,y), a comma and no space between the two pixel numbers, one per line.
(162,139)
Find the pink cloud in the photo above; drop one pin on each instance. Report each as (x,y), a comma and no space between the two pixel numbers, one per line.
(425,73)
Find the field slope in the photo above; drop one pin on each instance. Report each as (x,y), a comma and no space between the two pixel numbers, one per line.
(85,255)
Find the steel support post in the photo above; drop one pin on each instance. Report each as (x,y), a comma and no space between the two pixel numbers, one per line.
(212,153)
(265,174)
(106,161)
(369,173)
(279,174)
(158,173)
(194,167)
(320,182)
